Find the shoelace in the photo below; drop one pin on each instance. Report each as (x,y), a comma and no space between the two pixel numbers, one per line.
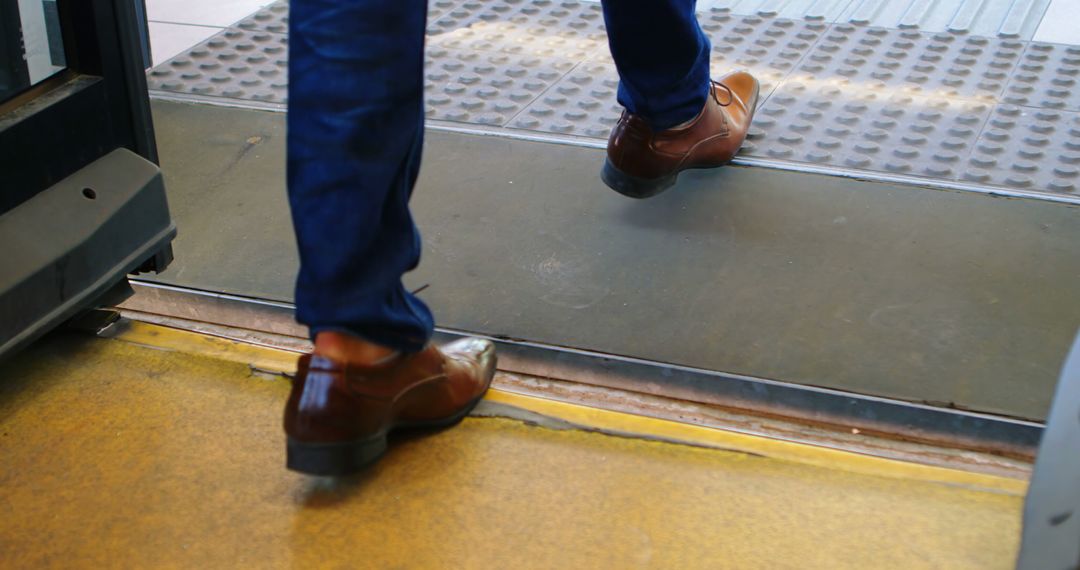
(730,97)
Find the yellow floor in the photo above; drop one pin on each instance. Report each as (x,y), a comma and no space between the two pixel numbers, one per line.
(171,455)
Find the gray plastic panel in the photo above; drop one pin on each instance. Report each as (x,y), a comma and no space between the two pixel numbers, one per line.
(70,244)
(1047,77)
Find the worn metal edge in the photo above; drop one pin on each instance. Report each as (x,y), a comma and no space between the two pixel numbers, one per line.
(556,414)
(127,322)
(897,419)
(270,363)
(174,97)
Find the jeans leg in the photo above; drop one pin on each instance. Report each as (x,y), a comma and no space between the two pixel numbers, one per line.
(662,56)
(355,132)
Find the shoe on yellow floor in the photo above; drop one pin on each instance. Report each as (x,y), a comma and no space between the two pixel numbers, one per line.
(339,413)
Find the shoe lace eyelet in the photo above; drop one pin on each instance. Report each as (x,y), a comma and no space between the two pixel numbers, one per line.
(712,90)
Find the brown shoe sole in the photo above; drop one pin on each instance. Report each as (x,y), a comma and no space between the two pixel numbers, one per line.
(346,457)
(641,188)
(632,186)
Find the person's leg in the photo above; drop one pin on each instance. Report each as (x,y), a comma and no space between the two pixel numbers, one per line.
(676,117)
(355,136)
(662,56)
(355,129)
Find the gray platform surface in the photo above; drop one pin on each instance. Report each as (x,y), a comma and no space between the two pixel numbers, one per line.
(903,89)
(953,298)
(1004,18)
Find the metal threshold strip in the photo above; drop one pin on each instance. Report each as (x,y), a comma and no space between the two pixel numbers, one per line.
(835,409)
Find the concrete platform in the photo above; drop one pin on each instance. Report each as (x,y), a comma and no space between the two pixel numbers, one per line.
(945,297)
(148,450)
(946,92)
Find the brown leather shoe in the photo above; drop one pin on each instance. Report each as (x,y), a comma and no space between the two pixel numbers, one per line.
(642,163)
(338,416)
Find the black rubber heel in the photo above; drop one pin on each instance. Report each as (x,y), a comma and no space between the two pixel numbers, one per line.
(333,459)
(633,186)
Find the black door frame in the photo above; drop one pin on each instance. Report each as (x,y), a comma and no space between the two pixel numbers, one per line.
(98,105)
(14,73)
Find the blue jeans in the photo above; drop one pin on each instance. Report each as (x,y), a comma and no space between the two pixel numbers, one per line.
(356,128)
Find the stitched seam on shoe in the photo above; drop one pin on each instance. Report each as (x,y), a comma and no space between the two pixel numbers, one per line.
(352,387)
(704,141)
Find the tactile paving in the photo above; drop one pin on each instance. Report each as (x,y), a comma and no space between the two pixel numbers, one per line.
(768,47)
(1047,76)
(1033,149)
(849,96)
(546,28)
(237,64)
(436,8)
(899,133)
(1002,18)
(582,103)
(273,18)
(943,64)
(485,88)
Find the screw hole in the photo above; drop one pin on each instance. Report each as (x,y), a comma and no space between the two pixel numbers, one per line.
(89,193)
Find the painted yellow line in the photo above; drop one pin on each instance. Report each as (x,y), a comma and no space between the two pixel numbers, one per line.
(274,360)
(623,423)
(165,338)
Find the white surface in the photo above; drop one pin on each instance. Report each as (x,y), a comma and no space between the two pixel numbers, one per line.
(177,25)
(1061,23)
(219,13)
(36,40)
(167,40)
